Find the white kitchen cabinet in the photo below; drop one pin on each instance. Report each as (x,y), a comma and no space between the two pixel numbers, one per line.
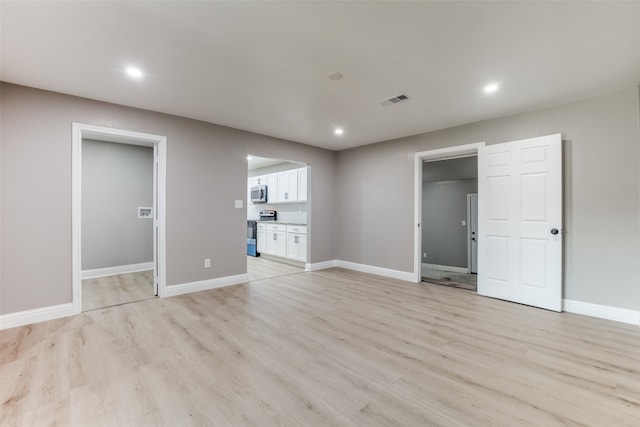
(282,187)
(302,184)
(288,186)
(276,240)
(261,237)
(297,242)
(272,187)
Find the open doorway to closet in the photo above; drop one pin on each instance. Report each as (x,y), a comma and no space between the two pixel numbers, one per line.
(449,222)
(118,216)
(443,252)
(117,223)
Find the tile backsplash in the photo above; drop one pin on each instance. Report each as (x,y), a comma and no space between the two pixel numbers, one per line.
(287,212)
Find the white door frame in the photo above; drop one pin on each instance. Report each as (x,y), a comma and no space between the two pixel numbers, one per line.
(469,222)
(447,153)
(100,133)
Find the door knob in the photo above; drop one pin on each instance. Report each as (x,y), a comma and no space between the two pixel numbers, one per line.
(554,231)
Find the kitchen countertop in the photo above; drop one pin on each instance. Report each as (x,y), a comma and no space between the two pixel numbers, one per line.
(279,222)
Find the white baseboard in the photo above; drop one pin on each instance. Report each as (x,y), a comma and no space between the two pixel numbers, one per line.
(35,315)
(446,268)
(321,265)
(380,271)
(602,311)
(203,285)
(118,269)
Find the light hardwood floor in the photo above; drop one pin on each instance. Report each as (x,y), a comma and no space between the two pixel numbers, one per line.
(466,281)
(325,348)
(259,268)
(117,289)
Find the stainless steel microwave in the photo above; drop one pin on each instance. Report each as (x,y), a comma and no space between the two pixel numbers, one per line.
(259,194)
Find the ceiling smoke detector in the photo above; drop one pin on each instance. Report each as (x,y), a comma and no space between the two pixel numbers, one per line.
(395,100)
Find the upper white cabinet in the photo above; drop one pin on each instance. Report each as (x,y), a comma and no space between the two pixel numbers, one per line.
(272,188)
(282,187)
(288,186)
(302,184)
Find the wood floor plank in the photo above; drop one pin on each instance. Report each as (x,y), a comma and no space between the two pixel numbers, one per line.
(327,348)
(118,289)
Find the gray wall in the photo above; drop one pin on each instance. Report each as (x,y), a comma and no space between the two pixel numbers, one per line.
(116,180)
(206,172)
(601,138)
(370,190)
(444,206)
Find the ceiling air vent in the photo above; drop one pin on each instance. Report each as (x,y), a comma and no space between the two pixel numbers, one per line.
(395,100)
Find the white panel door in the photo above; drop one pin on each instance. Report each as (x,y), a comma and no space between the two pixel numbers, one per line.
(520,221)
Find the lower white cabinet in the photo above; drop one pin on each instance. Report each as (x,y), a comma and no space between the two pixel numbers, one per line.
(286,241)
(297,242)
(276,240)
(261,237)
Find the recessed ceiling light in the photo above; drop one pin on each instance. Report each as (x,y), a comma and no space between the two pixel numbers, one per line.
(134,72)
(491,88)
(338,131)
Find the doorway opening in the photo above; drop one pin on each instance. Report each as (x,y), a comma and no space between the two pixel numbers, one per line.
(449,222)
(277,217)
(446,194)
(118,221)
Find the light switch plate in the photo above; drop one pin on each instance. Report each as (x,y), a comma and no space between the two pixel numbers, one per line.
(238,204)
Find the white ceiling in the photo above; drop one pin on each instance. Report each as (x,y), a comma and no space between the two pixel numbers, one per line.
(263,66)
(254,162)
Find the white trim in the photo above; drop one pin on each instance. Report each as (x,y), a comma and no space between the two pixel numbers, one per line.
(446,268)
(469,221)
(160,200)
(36,315)
(76,220)
(602,311)
(321,265)
(203,285)
(118,269)
(379,271)
(459,151)
(159,142)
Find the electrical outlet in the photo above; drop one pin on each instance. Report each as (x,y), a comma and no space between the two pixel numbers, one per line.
(464,223)
(424,255)
(207,263)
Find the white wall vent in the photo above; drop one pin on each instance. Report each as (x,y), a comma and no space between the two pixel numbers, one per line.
(395,100)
